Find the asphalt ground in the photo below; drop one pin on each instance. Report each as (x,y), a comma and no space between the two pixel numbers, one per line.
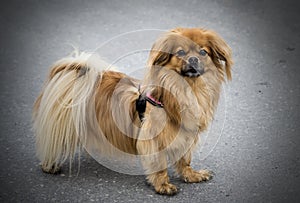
(253,146)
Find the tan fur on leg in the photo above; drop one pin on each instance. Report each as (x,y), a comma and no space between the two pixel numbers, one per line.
(188,174)
(156,166)
(160,181)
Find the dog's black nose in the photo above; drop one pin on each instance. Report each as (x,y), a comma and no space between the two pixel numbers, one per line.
(193,60)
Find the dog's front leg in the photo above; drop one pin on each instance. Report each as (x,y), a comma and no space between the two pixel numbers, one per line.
(187,173)
(160,181)
(155,166)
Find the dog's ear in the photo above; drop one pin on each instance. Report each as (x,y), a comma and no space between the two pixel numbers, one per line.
(220,51)
(160,58)
(161,52)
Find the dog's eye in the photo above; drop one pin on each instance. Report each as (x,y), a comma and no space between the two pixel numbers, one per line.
(202,52)
(181,53)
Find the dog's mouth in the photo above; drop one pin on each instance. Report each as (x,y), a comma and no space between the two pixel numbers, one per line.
(192,70)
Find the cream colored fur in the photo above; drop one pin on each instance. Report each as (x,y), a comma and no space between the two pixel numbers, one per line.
(60,111)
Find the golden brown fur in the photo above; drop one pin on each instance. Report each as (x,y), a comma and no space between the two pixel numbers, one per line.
(84,105)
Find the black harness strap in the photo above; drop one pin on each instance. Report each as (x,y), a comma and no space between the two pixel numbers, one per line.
(142,101)
(141,106)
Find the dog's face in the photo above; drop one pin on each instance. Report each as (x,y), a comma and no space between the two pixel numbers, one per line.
(192,52)
(189,58)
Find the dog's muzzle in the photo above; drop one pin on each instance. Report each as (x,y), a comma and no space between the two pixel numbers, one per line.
(193,68)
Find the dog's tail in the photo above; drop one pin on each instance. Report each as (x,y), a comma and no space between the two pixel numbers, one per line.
(60,111)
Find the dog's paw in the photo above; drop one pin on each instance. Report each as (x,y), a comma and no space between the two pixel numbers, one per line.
(166,189)
(192,176)
(51,170)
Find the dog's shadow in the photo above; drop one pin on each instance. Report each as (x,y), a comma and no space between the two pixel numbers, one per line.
(88,169)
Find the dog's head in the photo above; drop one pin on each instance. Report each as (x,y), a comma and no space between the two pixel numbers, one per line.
(192,52)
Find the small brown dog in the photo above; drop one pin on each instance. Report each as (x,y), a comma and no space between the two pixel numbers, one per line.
(84,105)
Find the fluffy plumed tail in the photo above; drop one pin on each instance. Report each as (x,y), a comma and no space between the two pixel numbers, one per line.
(59,114)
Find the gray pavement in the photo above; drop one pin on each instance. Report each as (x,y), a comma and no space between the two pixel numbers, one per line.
(256,158)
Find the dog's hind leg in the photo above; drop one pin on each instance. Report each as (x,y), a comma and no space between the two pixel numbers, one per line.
(60,112)
(53,170)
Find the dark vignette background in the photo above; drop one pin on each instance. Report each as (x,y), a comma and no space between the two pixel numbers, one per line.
(257,158)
